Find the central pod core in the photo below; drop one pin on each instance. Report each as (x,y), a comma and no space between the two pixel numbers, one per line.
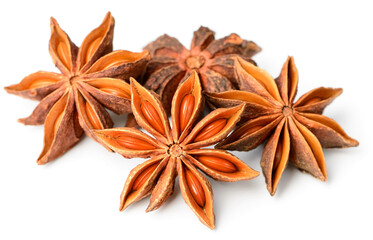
(175,150)
(195,62)
(287,111)
(73,79)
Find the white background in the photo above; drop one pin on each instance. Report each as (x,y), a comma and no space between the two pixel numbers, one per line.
(77,196)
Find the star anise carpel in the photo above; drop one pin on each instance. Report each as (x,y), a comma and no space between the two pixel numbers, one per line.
(212,59)
(176,151)
(74,101)
(295,131)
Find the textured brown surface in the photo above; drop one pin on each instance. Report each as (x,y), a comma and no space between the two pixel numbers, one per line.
(212,59)
(88,76)
(295,131)
(175,151)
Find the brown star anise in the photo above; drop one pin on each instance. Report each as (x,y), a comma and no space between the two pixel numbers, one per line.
(177,151)
(212,59)
(295,131)
(75,101)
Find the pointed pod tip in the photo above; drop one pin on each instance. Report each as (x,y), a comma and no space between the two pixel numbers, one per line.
(149,209)
(133,81)
(271,190)
(324,178)
(211,225)
(21,120)
(41,161)
(122,206)
(53,22)
(254,173)
(197,81)
(195,73)
(339,90)
(109,17)
(240,108)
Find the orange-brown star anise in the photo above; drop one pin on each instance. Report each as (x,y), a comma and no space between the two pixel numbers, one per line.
(212,59)
(75,100)
(295,131)
(177,151)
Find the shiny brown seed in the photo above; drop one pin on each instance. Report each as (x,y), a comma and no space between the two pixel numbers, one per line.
(186,110)
(116,91)
(151,115)
(62,51)
(312,100)
(195,188)
(218,164)
(134,143)
(92,48)
(211,129)
(92,117)
(41,83)
(142,177)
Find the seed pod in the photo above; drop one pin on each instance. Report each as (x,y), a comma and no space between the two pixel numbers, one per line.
(218,164)
(186,110)
(134,143)
(278,155)
(249,131)
(92,48)
(312,100)
(62,51)
(152,116)
(116,91)
(41,83)
(211,129)
(195,188)
(57,123)
(142,177)
(95,122)
(114,64)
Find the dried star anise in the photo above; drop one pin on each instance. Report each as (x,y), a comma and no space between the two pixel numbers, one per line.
(177,151)
(212,59)
(295,131)
(74,102)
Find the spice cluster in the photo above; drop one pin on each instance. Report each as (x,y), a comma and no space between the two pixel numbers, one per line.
(164,91)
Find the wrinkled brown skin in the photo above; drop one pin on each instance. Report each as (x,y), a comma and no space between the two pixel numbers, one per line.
(295,131)
(212,59)
(176,150)
(80,82)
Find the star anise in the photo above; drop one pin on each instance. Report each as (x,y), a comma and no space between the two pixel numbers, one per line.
(212,59)
(295,131)
(75,100)
(177,151)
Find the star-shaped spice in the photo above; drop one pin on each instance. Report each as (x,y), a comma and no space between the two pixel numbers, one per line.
(75,100)
(295,131)
(176,151)
(211,59)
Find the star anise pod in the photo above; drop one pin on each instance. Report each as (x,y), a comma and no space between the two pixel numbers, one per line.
(75,100)
(295,131)
(212,59)
(176,151)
